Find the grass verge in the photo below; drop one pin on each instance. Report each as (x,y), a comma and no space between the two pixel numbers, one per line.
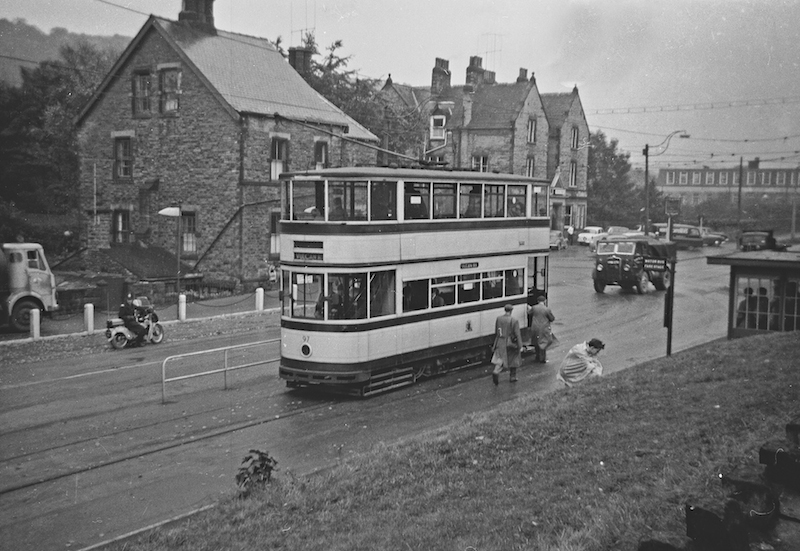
(596,467)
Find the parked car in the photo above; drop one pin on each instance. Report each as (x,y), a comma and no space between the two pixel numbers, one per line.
(712,238)
(684,236)
(585,235)
(758,240)
(557,240)
(632,262)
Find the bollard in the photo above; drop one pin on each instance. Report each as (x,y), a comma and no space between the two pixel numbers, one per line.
(259,299)
(88,317)
(36,317)
(181,307)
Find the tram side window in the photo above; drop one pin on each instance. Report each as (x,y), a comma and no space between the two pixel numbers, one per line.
(446,286)
(415,295)
(353,293)
(493,201)
(492,285)
(381,293)
(470,201)
(515,201)
(514,282)
(306,290)
(383,201)
(417,196)
(347,200)
(308,200)
(469,288)
(444,201)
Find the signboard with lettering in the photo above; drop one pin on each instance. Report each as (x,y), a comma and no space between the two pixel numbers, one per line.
(307,256)
(468,265)
(655,264)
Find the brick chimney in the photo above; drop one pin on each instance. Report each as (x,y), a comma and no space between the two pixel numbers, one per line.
(475,72)
(198,14)
(300,59)
(440,76)
(523,75)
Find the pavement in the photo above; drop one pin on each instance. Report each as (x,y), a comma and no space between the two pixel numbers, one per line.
(61,324)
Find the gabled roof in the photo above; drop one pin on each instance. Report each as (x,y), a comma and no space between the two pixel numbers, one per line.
(499,105)
(558,106)
(411,96)
(247,75)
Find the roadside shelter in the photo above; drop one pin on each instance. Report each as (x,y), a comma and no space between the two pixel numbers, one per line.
(764,291)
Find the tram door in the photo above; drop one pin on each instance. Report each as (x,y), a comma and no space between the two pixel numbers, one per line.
(538,277)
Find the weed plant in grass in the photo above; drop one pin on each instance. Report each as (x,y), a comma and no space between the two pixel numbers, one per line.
(597,467)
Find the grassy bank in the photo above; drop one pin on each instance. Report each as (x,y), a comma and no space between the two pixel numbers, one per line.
(600,466)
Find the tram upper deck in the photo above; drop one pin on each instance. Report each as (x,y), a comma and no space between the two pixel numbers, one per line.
(374,214)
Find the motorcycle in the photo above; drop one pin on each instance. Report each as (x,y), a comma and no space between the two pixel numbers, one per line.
(120,336)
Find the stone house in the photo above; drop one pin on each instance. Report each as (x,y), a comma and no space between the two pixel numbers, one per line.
(494,127)
(202,119)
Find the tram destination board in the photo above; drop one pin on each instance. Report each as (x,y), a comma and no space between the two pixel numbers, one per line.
(655,264)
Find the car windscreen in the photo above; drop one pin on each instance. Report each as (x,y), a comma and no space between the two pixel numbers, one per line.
(611,247)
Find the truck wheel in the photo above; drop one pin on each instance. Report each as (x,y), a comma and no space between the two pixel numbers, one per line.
(119,341)
(663,282)
(599,286)
(642,283)
(21,316)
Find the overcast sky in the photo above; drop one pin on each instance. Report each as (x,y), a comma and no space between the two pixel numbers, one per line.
(726,71)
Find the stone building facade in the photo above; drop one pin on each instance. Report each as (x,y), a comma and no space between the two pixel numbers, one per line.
(205,120)
(495,127)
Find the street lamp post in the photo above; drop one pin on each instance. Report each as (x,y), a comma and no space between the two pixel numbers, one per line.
(647,155)
(175,212)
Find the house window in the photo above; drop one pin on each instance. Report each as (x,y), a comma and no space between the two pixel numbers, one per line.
(141,94)
(531,130)
(530,166)
(751,178)
(574,137)
(670,178)
(123,158)
(573,174)
(735,178)
(568,216)
(321,155)
(723,178)
(437,127)
(684,178)
(709,178)
(121,227)
(480,163)
(169,87)
(279,155)
(695,178)
(765,178)
(188,232)
(781,178)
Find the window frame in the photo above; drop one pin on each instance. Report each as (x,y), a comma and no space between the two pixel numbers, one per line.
(169,91)
(573,174)
(574,138)
(438,125)
(141,91)
(123,158)
(531,130)
(479,163)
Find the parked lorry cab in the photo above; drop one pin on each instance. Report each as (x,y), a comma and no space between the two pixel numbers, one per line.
(632,262)
(26,283)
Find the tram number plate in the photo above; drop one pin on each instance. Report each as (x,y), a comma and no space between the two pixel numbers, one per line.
(655,264)
(308,256)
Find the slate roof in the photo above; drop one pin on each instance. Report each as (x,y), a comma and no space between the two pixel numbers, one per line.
(556,108)
(499,105)
(247,74)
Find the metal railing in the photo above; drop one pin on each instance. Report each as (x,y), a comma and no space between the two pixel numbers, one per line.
(224,370)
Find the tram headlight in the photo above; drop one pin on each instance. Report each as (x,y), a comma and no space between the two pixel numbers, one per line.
(305,349)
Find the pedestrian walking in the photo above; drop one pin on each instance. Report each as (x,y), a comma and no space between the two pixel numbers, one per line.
(507,345)
(581,362)
(542,338)
(570,233)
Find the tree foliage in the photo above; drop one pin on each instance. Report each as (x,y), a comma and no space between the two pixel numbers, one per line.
(610,193)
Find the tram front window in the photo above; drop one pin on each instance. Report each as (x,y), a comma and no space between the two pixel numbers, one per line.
(347,200)
(308,200)
(353,292)
(381,294)
(307,298)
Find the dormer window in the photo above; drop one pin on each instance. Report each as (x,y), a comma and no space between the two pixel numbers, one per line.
(437,127)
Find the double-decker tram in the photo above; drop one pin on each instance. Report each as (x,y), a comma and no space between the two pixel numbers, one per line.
(389,275)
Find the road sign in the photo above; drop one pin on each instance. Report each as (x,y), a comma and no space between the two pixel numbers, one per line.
(672,206)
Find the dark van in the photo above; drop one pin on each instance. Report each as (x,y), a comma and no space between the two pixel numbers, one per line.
(683,235)
(632,262)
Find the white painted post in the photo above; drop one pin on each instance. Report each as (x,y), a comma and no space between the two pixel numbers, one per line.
(88,317)
(181,307)
(259,299)
(35,319)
